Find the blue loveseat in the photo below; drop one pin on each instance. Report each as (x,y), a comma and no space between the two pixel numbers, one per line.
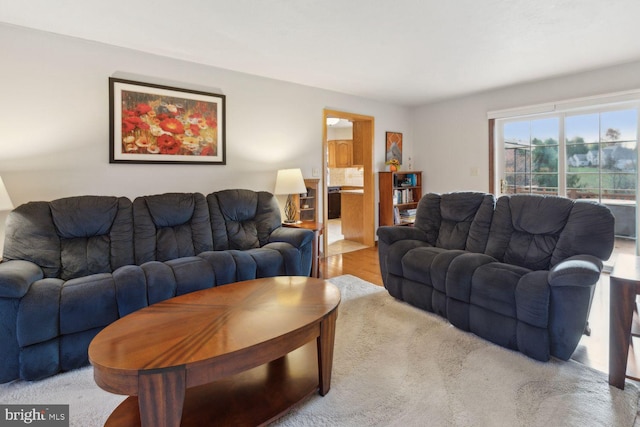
(519,271)
(72,266)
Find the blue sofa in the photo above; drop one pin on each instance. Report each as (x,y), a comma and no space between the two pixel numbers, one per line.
(72,266)
(519,271)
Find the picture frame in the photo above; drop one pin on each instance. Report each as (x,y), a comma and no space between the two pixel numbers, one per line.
(393,146)
(152,123)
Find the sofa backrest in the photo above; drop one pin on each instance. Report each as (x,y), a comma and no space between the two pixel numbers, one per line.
(537,232)
(242,219)
(72,237)
(459,220)
(170,225)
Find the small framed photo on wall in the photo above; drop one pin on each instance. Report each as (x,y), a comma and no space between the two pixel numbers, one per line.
(393,147)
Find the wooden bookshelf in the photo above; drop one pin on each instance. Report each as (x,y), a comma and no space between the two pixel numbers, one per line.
(307,203)
(398,191)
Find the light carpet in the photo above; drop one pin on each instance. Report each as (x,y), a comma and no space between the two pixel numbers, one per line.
(395,365)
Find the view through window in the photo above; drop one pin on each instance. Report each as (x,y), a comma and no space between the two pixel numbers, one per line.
(581,155)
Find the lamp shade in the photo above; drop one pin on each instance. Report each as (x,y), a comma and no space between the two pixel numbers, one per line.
(290,181)
(5,201)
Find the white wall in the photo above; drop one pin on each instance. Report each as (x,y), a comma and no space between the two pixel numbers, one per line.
(54,122)
(451,138)
(339,133)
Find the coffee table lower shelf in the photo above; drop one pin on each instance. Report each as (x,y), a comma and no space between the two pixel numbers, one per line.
(254,397)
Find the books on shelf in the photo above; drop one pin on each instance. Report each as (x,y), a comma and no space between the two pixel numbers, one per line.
(396,215)
(403,196)
(408,215)
(404,216)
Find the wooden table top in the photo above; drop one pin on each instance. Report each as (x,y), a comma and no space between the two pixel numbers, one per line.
(204,325)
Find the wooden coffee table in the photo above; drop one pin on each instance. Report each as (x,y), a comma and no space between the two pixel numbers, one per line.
(238,354)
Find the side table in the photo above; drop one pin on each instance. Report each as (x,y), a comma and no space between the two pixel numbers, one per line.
(317,228)
(624,286)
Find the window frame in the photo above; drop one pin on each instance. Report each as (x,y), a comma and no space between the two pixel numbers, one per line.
(496,140)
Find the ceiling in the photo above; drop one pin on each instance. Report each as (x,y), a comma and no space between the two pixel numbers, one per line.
(407,52)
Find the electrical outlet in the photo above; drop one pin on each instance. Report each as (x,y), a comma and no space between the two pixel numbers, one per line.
(315,172)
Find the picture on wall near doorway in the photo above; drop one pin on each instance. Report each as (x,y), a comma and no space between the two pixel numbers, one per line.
(393,147)
(160,124)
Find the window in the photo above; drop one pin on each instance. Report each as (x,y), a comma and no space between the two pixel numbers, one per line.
(531,156)
(590,153)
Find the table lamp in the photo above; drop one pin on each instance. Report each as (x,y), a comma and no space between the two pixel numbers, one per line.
(5,201)
(290,182)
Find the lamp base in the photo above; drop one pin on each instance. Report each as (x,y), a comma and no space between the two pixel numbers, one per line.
(290,210)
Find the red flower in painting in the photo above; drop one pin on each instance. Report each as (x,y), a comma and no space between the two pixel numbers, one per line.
(195,129)
(143,126)
(127,126)
(128,113)
(168,145)
(212,123)
(143,109)
(172,125)
(162,116)
(133,120)
(207,151)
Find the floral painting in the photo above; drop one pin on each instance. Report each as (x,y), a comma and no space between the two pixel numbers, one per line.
(153,123)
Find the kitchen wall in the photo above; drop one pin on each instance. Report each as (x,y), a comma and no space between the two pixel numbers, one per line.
(346,176)
(55,121)
(451,138)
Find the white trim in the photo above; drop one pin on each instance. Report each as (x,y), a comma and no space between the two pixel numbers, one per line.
(569,104)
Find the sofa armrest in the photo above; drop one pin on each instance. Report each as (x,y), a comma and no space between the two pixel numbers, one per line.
(16,276)
(392,233)
(578,270)
(297,237)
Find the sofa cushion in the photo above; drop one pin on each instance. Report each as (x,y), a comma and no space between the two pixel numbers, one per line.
(72,237)
(192,274)
(94,232)
(242,219)
(589,230)
(37,316)
(416,263)
(170,226)
(87,302)
(494,287)
(526,228)
(459,220)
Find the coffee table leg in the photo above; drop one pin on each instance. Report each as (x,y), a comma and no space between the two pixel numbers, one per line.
(161,397)
(325,351)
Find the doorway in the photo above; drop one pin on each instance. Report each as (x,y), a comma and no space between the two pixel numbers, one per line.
(348,182)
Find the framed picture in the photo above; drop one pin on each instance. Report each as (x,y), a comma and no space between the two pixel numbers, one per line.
(160,124)
(393,146)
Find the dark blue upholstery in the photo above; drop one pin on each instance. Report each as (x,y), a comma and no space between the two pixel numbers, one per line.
(73,266)
(518,271)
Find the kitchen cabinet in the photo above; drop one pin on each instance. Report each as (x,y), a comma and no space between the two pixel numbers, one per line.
(340,153)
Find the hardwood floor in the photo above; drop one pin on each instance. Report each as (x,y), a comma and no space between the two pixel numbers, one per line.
(593,351)
(362,263)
